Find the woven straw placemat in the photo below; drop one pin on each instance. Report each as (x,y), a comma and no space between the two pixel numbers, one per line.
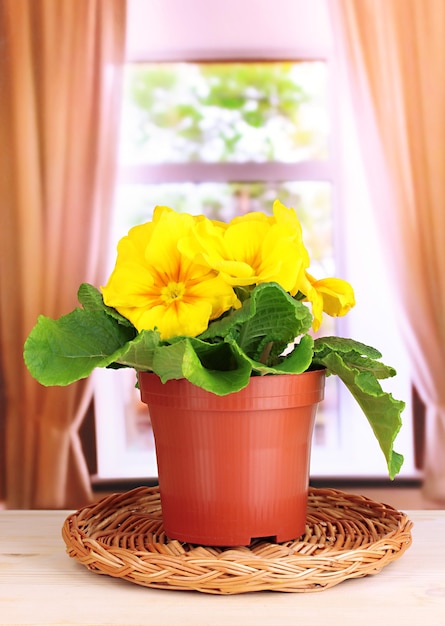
(346,536)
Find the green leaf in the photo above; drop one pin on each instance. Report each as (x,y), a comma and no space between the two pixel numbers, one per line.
(91,299)
(255,325)
(355,364)
(138,353)
(214,367)
(296,362)
(360,355)
(59,352)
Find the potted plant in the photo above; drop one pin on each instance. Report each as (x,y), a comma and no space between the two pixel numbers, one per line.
(214,317)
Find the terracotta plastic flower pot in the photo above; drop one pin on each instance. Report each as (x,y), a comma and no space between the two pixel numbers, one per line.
(233,468)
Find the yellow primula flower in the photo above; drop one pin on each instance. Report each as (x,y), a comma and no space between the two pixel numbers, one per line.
(334,296)
(252,249)
(156,287)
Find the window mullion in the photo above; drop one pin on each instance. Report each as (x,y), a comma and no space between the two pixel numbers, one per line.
(222,172)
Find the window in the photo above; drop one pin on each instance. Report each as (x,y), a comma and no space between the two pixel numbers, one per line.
(223,139)
(195,145)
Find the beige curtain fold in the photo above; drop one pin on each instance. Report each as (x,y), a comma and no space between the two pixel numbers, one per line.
(393,56)
(60,85)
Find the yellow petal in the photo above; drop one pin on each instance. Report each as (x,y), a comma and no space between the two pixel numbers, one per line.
(333,296)
(155,285)
(338,295)
(251,249)
(179,319)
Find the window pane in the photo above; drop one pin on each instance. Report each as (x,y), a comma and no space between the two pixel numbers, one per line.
(225,112)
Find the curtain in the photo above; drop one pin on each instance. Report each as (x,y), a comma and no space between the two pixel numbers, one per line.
(392,55)
(60,83)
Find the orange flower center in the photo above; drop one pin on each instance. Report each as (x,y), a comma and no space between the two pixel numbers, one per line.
(173,291)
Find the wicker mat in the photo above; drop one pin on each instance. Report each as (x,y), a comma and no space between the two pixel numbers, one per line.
(347,536)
